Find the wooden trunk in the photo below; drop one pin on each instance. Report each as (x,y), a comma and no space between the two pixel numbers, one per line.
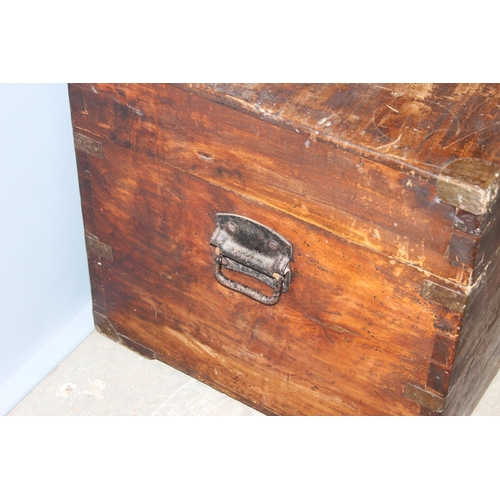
(387,195)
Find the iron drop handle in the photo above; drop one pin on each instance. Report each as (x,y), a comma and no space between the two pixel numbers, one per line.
(250,292)
(251,248)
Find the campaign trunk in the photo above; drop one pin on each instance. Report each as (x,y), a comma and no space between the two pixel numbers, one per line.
(308,249)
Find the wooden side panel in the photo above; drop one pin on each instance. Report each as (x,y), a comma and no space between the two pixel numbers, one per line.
(387,210)
(489,244)
(345,340)
(478,354)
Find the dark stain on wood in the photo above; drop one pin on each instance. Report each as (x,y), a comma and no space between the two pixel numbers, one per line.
(470,223)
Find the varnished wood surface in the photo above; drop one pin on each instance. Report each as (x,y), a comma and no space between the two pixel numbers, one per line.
(422,126)
(346,338)
(391,211)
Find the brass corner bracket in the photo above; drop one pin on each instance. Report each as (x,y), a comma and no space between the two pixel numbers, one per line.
(469,184)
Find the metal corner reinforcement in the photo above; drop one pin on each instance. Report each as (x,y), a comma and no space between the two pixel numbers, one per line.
(454,301)
(424,398)
(469,184)
(98,247)
(88,145)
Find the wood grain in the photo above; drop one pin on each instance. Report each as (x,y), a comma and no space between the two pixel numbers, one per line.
(346,338)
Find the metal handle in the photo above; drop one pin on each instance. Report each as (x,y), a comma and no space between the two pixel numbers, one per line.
(250,292)
(251,248)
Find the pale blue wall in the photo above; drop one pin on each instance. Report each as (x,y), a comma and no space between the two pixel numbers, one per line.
(44,283)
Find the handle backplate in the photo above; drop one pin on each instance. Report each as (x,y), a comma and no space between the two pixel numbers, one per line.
(251,248)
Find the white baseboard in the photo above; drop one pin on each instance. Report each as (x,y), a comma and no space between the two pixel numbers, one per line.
(38,366)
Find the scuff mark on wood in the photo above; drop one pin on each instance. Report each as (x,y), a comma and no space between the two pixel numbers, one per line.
(472,133)
(386,146)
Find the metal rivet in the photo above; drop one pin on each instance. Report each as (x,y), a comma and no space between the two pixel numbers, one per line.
(273,245)
(232,227)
